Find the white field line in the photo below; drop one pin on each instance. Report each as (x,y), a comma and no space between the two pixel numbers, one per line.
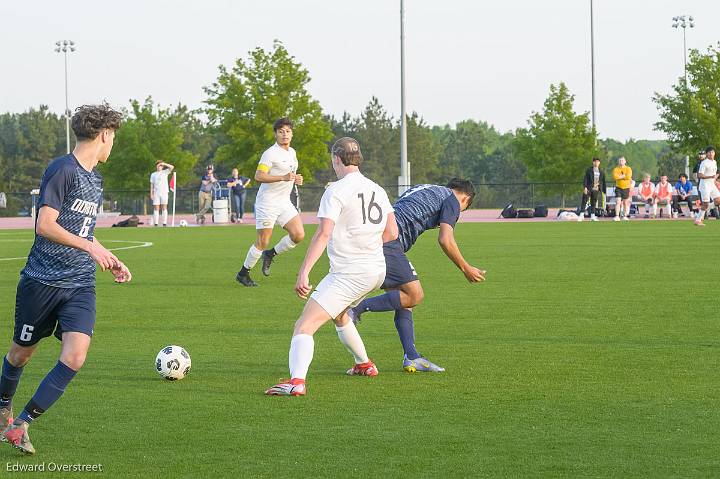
(136,244)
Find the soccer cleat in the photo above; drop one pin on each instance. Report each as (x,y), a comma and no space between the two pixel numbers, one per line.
(245,280)
(289,387)
(581,217)
(626,218)
(267,259)
(354,315)
(699,223)
(593,218)
(6,419)
(363,369)
(18,438)
(617,218)
(421,364)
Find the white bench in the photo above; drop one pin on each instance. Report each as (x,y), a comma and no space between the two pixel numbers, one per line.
(610,198)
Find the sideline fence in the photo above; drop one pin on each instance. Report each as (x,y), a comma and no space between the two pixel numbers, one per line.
(489,195)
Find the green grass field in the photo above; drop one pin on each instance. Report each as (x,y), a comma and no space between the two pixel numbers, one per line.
(591,350)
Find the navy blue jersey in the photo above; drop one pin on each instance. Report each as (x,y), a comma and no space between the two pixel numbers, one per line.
(76,194)
(424,207)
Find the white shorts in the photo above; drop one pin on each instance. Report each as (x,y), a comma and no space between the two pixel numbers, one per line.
(708,194)
(269,216)
(337,291)
(160,199)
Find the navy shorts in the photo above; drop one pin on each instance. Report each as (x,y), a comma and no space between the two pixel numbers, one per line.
(398,269)
(41,310)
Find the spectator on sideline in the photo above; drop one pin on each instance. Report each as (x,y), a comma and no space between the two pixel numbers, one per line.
(700,158)
(683,193)
(622,174)
(159,191)
(205,196)
(237,185)
(593,189)
(663,197)
(646,194)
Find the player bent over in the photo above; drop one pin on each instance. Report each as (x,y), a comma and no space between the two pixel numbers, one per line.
(419,209)
(276,173)
(353,214)
(56,291)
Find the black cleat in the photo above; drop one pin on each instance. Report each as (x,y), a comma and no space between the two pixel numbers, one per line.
(267,259)
(245,279)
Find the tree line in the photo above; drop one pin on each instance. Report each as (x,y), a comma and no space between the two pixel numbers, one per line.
(235,127)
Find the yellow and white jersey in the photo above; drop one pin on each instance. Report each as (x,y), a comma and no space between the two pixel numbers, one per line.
(276,161)
(359,208)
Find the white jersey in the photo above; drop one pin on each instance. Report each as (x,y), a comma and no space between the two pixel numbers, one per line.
(276,161)
(159,181)
(708,168)
(359,208)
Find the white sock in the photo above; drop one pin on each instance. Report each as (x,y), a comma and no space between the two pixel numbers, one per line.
(285,244)
(156,217)
(701,215)
(350,337)
(164,217)
(655,209)
(252,257)
(302,347)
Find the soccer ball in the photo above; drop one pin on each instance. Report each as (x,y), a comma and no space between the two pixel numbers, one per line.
(172,363)
(183,223)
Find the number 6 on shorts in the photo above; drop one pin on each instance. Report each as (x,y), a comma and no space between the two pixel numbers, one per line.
(26,333)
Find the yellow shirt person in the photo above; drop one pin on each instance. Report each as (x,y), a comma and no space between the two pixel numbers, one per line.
(622,176)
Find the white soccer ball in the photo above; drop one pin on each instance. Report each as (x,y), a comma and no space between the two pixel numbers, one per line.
(172,363)
(183,223)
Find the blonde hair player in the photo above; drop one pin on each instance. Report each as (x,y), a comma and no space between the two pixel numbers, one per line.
(353,216)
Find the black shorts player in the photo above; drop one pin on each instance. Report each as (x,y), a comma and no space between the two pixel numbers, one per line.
(56,291)
(419,209)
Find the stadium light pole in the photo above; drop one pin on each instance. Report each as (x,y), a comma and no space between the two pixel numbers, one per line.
(66,46)
(592,62)
(404,179)
(684,22)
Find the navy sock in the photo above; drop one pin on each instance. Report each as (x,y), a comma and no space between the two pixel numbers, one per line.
(8,382)
(406,330)
(389,301)
(49,391)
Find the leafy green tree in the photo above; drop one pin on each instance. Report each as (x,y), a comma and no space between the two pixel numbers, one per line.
(28,142)
(558,144)
(467,149)
(149,134)
(424,152)
(244,102)
(375,130)
(690,116)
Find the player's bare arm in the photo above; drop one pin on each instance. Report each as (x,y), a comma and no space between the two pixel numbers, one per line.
(446,238)
(48,227)
(265,177)
(391,229)
(315,250)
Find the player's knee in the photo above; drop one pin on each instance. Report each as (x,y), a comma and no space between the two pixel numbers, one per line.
(297,236)
(262,243)
(19,356)
(74,360)
(416,297)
